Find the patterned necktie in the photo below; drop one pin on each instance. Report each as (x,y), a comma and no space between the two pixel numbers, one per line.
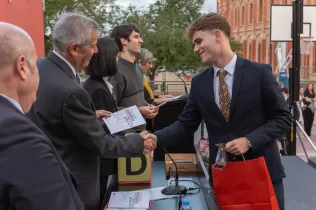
(224,98)
(78,79)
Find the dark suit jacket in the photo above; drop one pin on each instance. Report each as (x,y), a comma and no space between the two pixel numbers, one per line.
(102,99)
(65,112)
(32,174)
(258,112)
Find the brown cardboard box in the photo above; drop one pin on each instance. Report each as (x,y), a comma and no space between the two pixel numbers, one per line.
(198,165)
(184,162)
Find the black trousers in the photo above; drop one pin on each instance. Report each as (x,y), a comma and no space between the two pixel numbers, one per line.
(108,184)
(308,116)
(279,192)
(103,188)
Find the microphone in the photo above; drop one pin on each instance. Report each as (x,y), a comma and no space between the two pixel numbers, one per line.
(180,201)
(185,86)
(173,189)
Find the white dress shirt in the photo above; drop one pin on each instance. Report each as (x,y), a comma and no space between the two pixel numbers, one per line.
(69,64)
(110,86)
(229,78)
(14,102)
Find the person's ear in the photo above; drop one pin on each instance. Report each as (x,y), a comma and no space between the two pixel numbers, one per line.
(123,41)
(218,36)
(73,49)
(21,67)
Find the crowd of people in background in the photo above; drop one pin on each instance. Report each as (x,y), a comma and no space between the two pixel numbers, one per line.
(304,107)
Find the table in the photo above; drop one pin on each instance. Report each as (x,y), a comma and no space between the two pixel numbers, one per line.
(200,201)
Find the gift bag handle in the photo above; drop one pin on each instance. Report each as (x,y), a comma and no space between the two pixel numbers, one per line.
(243,157)
(227,159)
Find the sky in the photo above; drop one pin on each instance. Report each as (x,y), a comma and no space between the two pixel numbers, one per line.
(209,5)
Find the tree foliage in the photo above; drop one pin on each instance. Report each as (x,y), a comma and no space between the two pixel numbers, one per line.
(162,26)
(105,12)
(163,30)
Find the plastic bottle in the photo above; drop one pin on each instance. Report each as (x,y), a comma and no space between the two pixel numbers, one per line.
(185,205)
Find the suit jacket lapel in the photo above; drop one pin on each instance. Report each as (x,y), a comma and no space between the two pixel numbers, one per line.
(211,73)
(238,77)
(62,64)
(6,102)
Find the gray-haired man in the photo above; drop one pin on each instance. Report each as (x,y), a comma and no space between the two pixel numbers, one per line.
(65,112)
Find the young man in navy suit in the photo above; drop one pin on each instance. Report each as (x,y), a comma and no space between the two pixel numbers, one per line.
(32,174)
(239,100)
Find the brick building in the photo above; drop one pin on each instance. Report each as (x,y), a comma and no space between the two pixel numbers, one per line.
(28,15)
(250,26)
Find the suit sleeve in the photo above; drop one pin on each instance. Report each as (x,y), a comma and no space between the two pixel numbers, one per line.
(277,110)
(32,173)
(188,123)
(80,120)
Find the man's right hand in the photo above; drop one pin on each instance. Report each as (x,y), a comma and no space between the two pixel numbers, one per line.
(150,140)
(102,113)
(149,112)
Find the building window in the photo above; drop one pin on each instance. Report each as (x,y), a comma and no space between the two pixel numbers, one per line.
(260,10)
(236,18)
(259,52)
(243,16)
(249,52)
(314,60)
(250,13)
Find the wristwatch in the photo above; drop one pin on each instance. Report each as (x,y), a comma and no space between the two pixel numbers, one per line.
(249,144)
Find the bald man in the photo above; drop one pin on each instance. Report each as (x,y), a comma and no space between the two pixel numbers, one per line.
(33,176)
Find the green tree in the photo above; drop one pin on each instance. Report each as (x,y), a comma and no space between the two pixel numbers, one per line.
(105,12)
(163,30)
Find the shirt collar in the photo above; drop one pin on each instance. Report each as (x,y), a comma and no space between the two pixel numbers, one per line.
(14,102)
(126,62)
(69,64)
(110,86)
(230,67)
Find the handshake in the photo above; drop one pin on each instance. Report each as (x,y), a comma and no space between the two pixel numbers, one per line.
(150,141)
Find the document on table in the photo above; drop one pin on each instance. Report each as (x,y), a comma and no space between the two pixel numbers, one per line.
(129,200)
(124,119)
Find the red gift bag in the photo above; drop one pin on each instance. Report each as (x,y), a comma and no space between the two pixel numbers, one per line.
(244,185)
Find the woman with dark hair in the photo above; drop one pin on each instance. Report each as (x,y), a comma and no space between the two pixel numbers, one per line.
(309,111)
(101,66)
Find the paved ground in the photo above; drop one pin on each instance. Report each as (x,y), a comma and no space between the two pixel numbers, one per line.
(309,149)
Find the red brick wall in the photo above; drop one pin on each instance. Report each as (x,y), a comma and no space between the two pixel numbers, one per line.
(27,14)
(257,32)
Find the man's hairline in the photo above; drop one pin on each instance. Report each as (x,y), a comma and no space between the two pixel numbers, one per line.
(209,30)
(84,44)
